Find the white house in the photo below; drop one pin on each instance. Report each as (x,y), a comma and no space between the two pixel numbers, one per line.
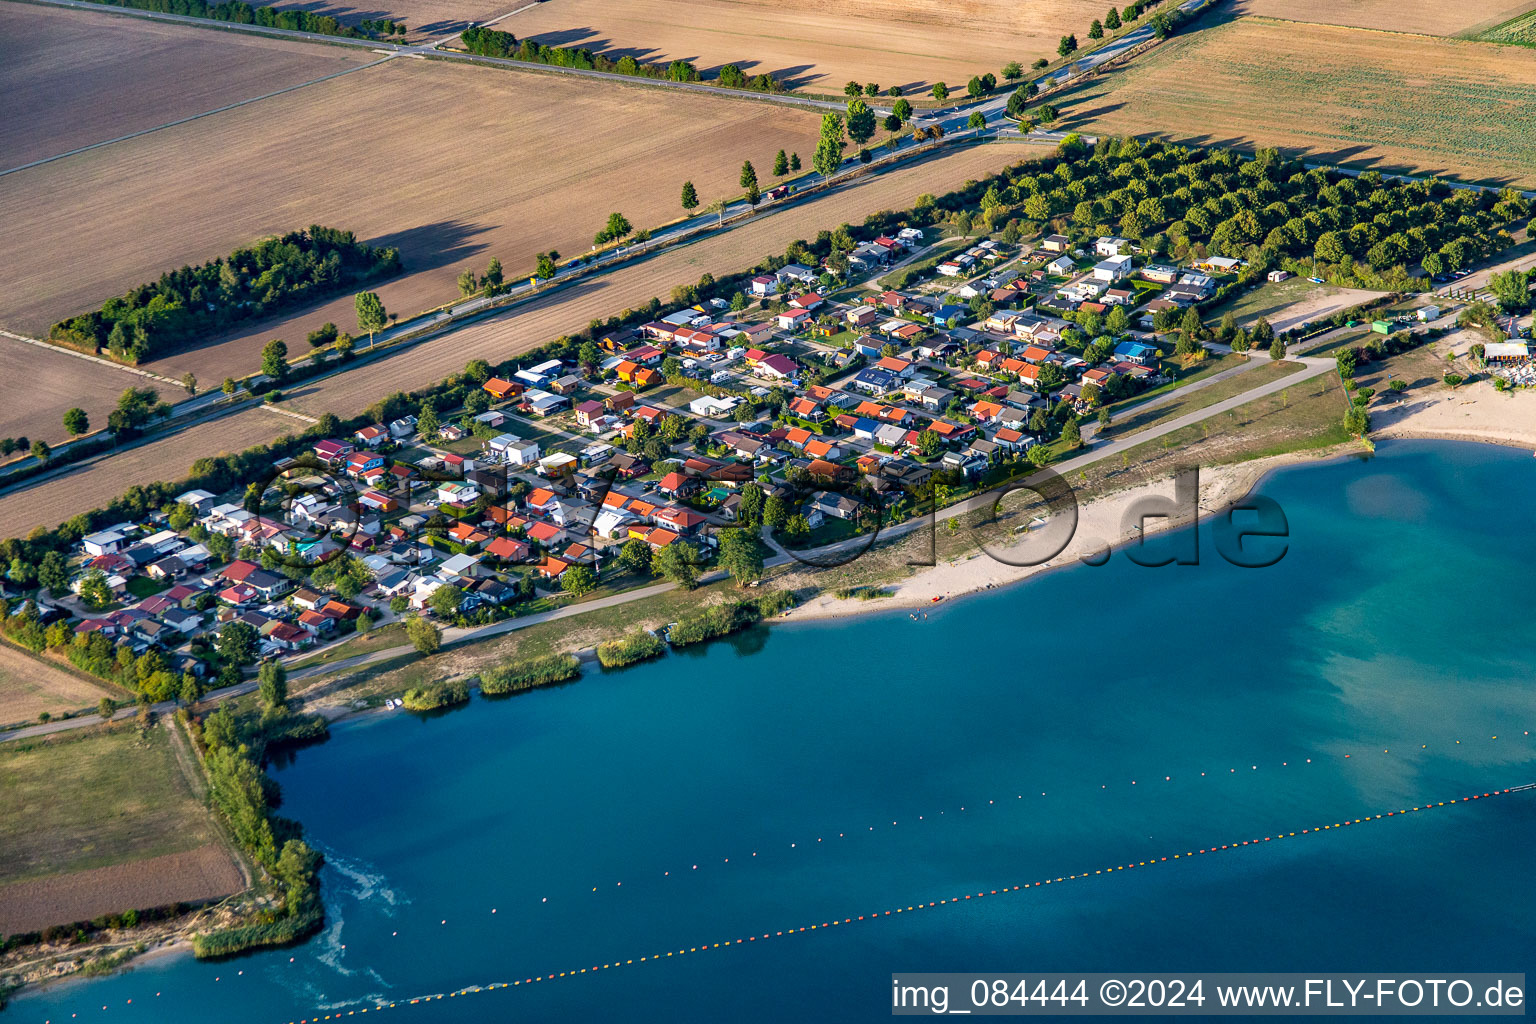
(1061,265)
(712,407)
(1106,247)
(104,542)
(1113,269)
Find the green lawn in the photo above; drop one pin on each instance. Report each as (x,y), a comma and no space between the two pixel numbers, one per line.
(142,586)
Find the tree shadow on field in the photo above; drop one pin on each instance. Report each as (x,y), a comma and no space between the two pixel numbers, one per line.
(429,246)
(570,37)
(353,15)
(796,77)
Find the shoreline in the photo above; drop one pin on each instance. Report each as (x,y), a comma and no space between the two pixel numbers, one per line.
(975,573)
(950,580)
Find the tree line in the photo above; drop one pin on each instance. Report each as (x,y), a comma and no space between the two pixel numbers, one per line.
(301,266)
(490,42)
(240,13)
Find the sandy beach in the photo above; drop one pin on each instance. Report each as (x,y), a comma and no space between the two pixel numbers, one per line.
(1102,523)
(1472,412)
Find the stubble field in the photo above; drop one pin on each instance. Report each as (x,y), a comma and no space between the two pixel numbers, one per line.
(29,686)
(1394,103)
(75,78)
(815,45)
(92,484)
(452,164)
(532,324)
(32,401)
(1430,17)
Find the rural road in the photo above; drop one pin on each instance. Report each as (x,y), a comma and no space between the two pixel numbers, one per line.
(1312,366)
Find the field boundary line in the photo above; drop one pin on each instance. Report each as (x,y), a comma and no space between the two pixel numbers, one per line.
(1381,31)
(88,358)
(194,117)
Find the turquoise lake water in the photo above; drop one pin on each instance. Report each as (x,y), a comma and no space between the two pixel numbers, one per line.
(1090,718)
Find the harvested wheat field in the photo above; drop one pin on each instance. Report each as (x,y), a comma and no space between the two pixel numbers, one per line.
(572,308)
(94,483)
(33,400)
(30,686)
(196,876)
(1400,103)
(74,78)
(451,163)
(1429,17)
(815,46)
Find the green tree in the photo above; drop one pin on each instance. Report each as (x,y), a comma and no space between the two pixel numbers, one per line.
(272,686)
(1067,45)
(106,708)
(274,359)
(635,556)
(775,511)
(902,109)
(691,195)
(794,161)
(76,421)
(940,91)
(229,386)
(424,636)
(976,120)
(189,383)
(748,176)
(1277,349)
(780,164)
(741,556)
(253,499)
(853,89)
(468,283)
(871,89)
(94,590)
(371,315)
(861,121)
(1096,30)
(544,267)
(678,563)
(1511,287)
(578,580)
(445,601)
(829,151)
(1012,71)
(237,643)
(1112,19)
(493,283)
(40,451)
(1072,434)
(53,573)
(618,227)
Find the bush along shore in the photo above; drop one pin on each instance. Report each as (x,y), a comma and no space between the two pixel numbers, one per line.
(630,650)
(527,674)
(724,619)
(234,749)
(439,695)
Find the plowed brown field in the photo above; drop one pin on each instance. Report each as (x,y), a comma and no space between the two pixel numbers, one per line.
(451,163)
